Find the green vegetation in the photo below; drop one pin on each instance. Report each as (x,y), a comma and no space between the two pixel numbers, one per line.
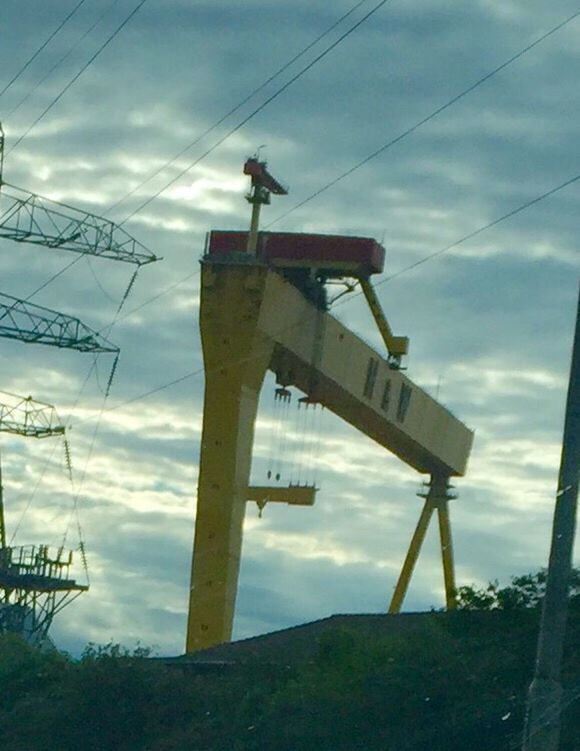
(524,592)
(457,682)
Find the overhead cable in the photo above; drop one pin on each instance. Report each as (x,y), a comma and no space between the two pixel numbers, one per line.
(238,106)
(471,235)
(425,120)
(252,114)
(51,70)
(384,148)
(401,272)
(78,75)
(159,294)
(42,46)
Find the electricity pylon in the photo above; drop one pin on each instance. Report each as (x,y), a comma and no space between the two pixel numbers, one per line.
(34,323)
(35,581)
(29,418)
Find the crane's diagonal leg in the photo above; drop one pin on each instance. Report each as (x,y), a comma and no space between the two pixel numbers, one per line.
(437,497)
(447,553)
(412,555)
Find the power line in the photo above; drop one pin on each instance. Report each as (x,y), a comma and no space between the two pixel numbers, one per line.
(53,277)
(46,283)
(476,232)
(401,272)
(252,114)
(425,120)
(78,75)
(240,104)
(61,61)
(163,292)
(67,423)
(42,46)
(441,251)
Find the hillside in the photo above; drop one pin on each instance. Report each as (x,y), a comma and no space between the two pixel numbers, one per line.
(438,681)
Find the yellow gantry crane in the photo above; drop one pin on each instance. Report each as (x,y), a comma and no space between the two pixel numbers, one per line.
(264,307)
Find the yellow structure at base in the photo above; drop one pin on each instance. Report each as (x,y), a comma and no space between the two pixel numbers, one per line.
(253,320)
(437,498)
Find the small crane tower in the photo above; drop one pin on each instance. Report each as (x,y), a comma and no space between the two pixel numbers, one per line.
(35,581)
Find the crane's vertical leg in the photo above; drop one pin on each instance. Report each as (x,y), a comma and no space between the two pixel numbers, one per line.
(411,558)
(235,358)
(447,553)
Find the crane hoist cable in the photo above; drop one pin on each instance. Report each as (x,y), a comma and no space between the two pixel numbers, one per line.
(282,398)
(285,395)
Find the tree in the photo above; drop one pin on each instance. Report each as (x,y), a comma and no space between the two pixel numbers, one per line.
(525,591)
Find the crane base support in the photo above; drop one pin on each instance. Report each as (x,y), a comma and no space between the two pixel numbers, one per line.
(436,499)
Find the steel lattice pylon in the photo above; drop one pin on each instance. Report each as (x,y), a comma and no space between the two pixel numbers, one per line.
(34,587)
(27,417)
(33,323)
(35,581)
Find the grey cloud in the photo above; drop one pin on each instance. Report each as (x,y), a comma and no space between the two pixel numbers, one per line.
(480,317)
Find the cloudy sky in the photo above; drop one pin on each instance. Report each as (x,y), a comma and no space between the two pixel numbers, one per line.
(490,321)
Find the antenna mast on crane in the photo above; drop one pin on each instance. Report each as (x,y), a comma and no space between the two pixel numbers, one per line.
(35,581)
(262,185)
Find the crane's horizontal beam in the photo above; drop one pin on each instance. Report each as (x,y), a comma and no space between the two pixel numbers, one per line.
(316,353)
(27,217)
(32,323)
(28,417)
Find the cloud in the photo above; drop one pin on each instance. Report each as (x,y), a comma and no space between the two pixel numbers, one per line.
(490,321)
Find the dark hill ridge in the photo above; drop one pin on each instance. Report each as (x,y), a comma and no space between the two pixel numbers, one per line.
(299,644)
